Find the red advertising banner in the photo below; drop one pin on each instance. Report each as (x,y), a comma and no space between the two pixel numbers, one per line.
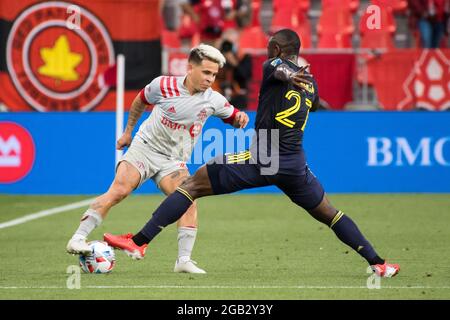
(411,78)
(54,54)
(334,74)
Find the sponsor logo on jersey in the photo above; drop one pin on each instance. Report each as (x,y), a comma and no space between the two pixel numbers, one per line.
(172,125)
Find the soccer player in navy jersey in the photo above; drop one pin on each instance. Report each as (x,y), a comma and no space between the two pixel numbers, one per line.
(287,95)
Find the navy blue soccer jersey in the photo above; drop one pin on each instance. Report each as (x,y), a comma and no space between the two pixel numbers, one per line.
(284,107)
(283,110)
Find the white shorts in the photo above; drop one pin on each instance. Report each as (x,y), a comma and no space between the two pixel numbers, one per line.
(150,163)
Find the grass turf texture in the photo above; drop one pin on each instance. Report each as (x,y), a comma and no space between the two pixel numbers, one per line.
(252,246)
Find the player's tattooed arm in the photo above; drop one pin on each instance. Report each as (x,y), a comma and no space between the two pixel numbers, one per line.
(136,110)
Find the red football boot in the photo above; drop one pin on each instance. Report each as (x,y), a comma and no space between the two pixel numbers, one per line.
(125,243)
(386,270)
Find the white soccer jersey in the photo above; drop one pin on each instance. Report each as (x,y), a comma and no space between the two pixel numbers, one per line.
(178,117)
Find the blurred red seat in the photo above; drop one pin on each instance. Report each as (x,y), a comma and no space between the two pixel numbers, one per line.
(399,6)
(292,14)
(380,35)
(303,30)
(304,5)
(351,5)
(252,38)
(283,15)
(335,27)
(387,20)
(377,39)
(188,27)
(256,10)
(170,39)
(335,40)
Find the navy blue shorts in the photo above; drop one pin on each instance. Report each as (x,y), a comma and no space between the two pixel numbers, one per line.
(231,173)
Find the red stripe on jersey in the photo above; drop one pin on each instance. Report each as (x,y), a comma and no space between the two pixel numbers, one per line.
(142,96)
(168,86)
(175,86)
(230,119)
(161,85)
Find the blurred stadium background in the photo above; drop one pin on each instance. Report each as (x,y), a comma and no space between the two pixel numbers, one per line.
(383,129)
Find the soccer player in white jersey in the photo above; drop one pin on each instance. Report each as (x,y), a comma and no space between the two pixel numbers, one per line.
(163,144)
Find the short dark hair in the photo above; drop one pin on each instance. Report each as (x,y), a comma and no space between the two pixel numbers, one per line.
(288,41)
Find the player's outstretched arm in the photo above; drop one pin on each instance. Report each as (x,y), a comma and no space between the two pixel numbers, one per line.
(298,78)
(136,110)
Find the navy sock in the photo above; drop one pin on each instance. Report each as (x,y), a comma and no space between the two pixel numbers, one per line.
(347,231)
(140,239)
(170,210)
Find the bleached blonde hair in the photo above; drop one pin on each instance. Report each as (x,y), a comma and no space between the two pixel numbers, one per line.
(204,51)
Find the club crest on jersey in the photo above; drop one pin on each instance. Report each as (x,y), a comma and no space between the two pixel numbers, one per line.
(276,62)
(172,109)
(195,129)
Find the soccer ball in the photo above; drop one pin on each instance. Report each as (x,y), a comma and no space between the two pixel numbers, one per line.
(101,260)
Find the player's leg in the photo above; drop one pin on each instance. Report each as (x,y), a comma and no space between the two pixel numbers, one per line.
(212,179)
(186,225)
(170,210)
(307,192)
(348,232)
(175,205)
(126,180)
(345,229)
(224,174)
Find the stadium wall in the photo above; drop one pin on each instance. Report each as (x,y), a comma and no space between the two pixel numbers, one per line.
(379,152)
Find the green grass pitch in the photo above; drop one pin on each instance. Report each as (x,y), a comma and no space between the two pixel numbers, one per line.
(252,246)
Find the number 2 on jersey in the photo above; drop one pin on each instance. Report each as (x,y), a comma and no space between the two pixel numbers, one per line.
(282,116)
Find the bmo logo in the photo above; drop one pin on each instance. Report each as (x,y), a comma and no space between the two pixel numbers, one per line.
(398,151)
(17,152)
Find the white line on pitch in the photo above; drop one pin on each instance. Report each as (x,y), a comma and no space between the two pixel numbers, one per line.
(45,213)
(226,287)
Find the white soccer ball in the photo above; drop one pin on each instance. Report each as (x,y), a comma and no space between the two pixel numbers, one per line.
(101,260)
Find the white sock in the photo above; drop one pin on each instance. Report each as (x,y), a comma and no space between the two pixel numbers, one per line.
(89,221)
(186,240)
